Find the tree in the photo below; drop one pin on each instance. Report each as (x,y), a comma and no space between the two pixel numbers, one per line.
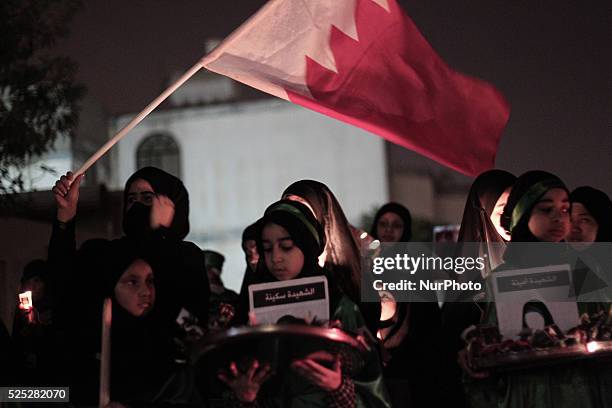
(38,93)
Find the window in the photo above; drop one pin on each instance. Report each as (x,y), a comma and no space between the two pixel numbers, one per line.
(161,151)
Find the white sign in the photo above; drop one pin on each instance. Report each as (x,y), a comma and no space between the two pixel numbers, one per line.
(306,298)
(534,298)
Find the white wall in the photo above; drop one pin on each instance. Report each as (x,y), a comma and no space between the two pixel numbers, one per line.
(237,159)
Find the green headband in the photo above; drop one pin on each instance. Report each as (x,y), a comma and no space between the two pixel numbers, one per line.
(531,197)
(298,214)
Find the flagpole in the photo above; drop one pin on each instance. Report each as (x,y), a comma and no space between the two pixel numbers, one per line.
(139,118)
(107,316)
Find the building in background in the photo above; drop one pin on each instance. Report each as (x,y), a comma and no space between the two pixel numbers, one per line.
(237,156)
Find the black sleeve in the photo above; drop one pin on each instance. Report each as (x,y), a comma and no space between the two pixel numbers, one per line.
(61,256)
(62,244)
(195,285)
(8,365)
(182,282)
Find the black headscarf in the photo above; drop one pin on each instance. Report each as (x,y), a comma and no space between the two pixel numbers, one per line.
(249,233)
(476,225)
(36,268)
(213,259)
(525,194)
(402,212)
(305,231)
(343,257)
(142,349)
(119,256)
(162,183)
(598,204)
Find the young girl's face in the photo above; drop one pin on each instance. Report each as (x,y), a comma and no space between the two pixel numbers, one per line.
(497,213)
(135,290)
(550,219)
(584,226)
(283,258)
(390,227)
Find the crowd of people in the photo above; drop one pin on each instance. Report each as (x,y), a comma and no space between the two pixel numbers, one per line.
(415,353)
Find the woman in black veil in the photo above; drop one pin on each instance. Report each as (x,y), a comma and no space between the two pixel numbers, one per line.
(409,332)
(591,221)
(480,224)
(341,255)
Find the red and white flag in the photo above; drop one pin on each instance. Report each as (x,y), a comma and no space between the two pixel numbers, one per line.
(364,62)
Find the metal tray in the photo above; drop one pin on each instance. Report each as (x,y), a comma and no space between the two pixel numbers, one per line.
(278,345)
(541,358)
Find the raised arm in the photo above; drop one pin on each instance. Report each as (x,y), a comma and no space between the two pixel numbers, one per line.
(62,244)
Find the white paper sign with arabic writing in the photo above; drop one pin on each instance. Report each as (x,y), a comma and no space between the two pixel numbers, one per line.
(305,298)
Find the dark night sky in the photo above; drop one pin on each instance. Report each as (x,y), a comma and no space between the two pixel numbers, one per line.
(551,59)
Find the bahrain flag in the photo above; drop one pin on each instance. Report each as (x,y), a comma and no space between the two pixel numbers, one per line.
(364,62)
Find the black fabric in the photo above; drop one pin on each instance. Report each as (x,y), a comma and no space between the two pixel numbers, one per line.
(80,275)
(183,282)
(142,357)
(170,186)
(476,226)
(249,233)
(213,259)
(402,212)
(536,306)
(7,363)
(598,204)
(411,366)
(37,267)
(120,254)
(137,221)
(343,256)
(342,251)
(417,360)
(521,233)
